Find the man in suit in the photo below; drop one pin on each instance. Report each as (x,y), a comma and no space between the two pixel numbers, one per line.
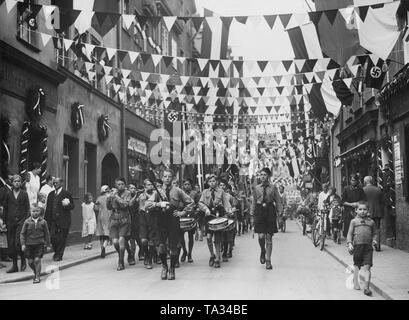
(376,204)
(5,187)
(16,210)
(58,217)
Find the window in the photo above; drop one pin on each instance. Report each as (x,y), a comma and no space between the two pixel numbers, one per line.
(71,164)
(165,41)
(174,48)
(406,47)
(66,159)
(26,30)
(126,7)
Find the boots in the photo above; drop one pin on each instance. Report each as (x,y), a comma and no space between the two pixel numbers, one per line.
(149,254)
(164,261)
(225,249)
(173,262)
(121,263)
(14,267)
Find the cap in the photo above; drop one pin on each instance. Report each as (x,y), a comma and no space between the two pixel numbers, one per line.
(104,188)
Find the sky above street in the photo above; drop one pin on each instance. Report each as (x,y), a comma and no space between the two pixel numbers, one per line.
(257,41)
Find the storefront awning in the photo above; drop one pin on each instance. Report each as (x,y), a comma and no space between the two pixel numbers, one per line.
(359,146)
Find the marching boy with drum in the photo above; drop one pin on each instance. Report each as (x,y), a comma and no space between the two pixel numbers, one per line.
(229,235)
(266,198)
(215,204)
(189,223)
(174,204)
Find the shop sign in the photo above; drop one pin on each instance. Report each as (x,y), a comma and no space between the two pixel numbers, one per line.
(137,146)
(397,160)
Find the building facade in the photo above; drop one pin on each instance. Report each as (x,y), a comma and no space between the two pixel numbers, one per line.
(113,137)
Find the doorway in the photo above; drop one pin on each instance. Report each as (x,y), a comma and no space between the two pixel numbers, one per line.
(110,170)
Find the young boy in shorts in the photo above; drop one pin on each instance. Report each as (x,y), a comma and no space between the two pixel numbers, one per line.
(361,237)
(34,237)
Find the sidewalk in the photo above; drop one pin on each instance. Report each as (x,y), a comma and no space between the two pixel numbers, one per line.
(390,273)
(73,256)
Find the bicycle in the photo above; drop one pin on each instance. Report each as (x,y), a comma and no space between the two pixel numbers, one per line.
(319,229)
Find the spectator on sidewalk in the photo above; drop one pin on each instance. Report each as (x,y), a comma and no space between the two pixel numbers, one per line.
(16,211)
(89,222)
(34,238)
(361,237)
(45,190)
(58,217)
(103,214)
(3,235)
(323,195)
(4,189)
(376,206)
(33,183)
(351,195)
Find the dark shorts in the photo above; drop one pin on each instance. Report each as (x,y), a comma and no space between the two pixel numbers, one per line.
(148,228)
(34,251)
(336,224)
(119,228)
(168,230)
(265,219)
(228,236)
(135,226)
(363,254)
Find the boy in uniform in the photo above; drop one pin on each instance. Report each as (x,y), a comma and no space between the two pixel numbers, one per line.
(264,206)
(215,203)
(174,203)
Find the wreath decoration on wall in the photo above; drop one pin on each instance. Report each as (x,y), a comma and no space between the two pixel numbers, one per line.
(35,104)
(103,127)
(5,148)
(32,131)
(77,116)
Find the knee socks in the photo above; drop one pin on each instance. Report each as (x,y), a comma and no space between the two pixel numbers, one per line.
(262,243)
(210,246)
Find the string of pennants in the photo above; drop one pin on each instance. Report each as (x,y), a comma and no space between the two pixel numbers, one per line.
(103,22)
(230,117)
(89,52)
(319,73)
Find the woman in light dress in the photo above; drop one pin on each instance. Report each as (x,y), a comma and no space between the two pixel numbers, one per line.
(103,214)
(33,183)
(89,222)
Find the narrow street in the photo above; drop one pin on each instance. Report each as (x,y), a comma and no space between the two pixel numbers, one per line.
(300,272)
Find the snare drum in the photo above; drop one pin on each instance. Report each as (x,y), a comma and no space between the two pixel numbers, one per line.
(218,224)
(187,224)
(230,226)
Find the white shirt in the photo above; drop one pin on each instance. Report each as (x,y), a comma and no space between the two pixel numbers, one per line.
(57,192)
(321,198)
(32,187)
(35,221)
(46,189)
